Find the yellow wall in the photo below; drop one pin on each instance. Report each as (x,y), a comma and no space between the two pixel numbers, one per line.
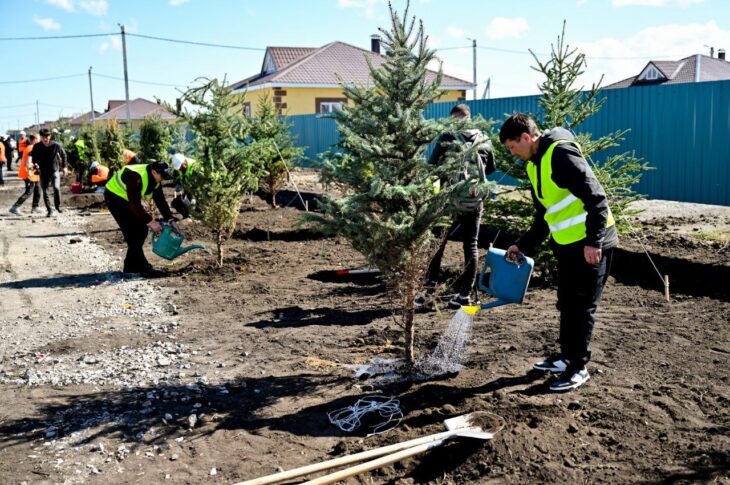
(301,101)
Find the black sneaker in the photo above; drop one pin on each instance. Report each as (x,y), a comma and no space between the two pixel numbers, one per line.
(423,302)
(14,210)
(556,365)
(459,301)
(59,210)
(50,214)
(570,379)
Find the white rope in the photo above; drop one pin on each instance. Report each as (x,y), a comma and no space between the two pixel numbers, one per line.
(631,227)
(349,419)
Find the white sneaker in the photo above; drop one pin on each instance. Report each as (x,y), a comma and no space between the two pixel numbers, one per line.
(570,380)
(556,365)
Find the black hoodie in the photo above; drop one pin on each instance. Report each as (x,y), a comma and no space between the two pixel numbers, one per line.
(570,171)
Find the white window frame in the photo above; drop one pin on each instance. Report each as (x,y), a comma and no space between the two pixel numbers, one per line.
(330,106)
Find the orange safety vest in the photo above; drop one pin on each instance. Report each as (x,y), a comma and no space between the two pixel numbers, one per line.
(102,175)
(128,156)
(2,152)
(22,144)
(23,170)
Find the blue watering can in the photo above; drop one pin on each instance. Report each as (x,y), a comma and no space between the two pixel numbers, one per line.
(508,280)
(167,244)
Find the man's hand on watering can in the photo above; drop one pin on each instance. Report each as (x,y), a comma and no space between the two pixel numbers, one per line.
(513,253)
(592,255)
(155,227)
(173,223)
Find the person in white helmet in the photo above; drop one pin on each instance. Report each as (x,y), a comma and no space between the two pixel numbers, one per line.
(183,168)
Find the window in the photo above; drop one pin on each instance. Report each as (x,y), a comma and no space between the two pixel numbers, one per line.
(651,73)
(247,109)
(329,105)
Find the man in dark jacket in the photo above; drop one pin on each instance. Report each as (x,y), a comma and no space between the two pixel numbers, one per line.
(123,195)
(572,208)
(466,222)
(51,159)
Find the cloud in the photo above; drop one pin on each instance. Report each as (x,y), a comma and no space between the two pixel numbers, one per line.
(368,7)
(655,3)
(113,42)
(47,23)
(505,28)
(66,5)
(455,32)
(177,3)
(622,58)
(94,7)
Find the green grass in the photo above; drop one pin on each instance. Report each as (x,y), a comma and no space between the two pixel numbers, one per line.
(720,235)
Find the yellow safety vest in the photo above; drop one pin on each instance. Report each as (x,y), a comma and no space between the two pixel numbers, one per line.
(565,214)
(117,186)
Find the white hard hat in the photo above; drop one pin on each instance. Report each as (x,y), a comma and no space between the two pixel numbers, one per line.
(94,164)
(22,133)
(177,160)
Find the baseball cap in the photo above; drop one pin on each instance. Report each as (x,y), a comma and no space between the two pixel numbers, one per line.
(45,132)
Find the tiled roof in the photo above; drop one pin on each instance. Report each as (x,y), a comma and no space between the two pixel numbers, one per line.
(331,64)
(83,119)
(139,108)
(283,56)
(682,71)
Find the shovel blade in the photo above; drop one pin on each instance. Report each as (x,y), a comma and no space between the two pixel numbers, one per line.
(467,426)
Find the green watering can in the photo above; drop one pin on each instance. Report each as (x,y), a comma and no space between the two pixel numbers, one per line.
(167,244)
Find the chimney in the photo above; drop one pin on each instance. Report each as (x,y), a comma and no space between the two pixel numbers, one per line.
(375,43)
(721,54)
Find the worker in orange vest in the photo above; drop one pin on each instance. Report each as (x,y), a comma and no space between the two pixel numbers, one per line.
(130,157)
(22,144)
(98,174)
(31,176)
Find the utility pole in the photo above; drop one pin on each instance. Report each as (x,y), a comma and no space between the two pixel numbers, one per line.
(474,61)
(126,77)
(474,64)
(91,97)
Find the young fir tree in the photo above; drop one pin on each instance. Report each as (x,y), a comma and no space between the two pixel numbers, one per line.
(391,205)
(90,136)
(155,139)
(111,146)
(564,103)
(277,154)
(225,167)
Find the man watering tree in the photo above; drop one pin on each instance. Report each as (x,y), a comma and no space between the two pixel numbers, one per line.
(571,206)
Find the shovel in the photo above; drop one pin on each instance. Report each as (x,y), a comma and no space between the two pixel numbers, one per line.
(460,426)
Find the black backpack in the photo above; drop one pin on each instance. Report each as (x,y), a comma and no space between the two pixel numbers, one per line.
(472,184)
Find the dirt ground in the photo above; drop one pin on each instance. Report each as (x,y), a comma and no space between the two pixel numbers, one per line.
(210,375)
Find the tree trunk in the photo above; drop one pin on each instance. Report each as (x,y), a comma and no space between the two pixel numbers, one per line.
(219,244)
(409,335)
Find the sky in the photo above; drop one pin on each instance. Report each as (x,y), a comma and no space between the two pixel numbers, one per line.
(618,37)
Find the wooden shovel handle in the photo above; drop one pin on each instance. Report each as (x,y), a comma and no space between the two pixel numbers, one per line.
(347,459)
(373,464)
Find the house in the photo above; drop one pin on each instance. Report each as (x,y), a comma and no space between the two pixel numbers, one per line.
(139,108)
(693,69)
(83,119)
(303,80)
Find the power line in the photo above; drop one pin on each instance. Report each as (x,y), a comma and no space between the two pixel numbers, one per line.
(42,79)
(96,74)
(80,36)
(523,52)
(17,106)
(189,42)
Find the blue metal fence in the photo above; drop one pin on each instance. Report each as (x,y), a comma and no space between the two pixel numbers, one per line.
(682,130)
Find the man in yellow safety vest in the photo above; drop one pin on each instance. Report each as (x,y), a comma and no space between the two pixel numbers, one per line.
(571,206)
(123,196)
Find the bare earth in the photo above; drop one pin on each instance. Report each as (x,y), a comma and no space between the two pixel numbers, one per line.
(221,376)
